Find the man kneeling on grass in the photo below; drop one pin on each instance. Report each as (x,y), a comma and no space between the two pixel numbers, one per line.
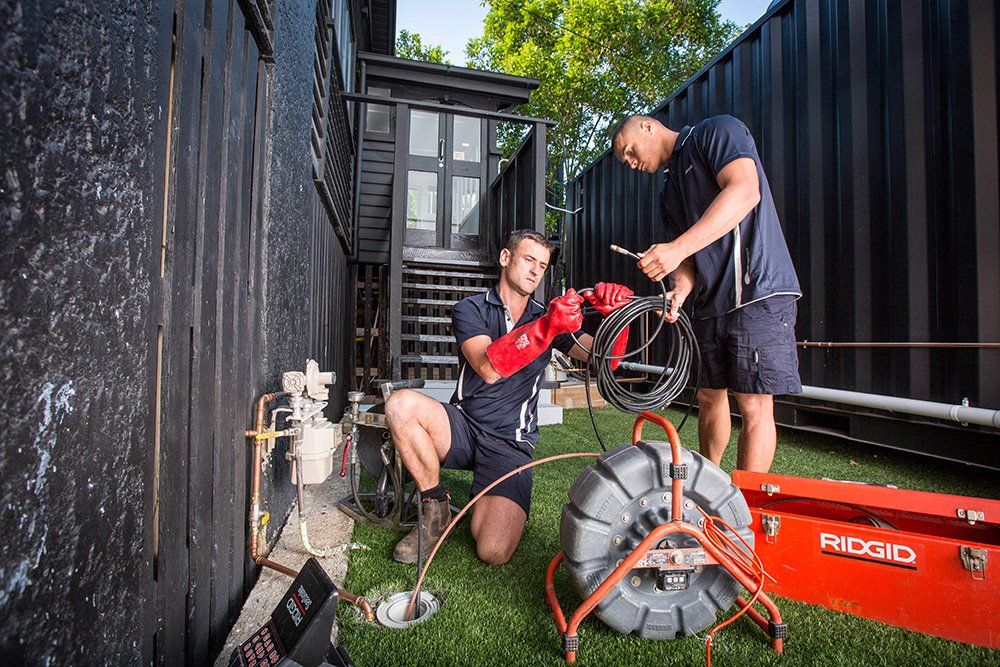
(505,340)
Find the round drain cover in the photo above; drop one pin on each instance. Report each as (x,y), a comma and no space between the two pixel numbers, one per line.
(392,612)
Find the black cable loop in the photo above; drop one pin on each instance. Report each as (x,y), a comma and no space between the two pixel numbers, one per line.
(682,349)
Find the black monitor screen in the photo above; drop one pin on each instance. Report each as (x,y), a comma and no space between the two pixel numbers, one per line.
(301,602)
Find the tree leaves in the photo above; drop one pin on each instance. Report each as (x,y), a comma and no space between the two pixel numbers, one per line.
(410,46)
(597,60)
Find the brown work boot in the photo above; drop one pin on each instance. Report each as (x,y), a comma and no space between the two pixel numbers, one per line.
(436,515)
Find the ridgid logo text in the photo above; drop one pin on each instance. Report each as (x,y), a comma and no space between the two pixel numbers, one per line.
(870,550)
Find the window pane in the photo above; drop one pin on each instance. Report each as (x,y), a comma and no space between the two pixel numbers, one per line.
(464,205)
(377,117)
(421,200)
(467,137)
(423,133)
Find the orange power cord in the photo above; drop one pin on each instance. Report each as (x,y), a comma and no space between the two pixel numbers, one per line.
(743,557)
(444,535)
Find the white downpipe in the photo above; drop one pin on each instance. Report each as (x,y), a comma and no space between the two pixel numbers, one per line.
(958,413)
(962,414)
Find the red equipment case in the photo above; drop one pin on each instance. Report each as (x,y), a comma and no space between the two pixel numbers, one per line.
(925,561)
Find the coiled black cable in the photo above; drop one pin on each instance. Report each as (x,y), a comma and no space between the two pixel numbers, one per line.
(682,350)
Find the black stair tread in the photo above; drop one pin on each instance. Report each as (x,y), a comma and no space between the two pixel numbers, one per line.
(429,302)
(447,261)
(426,319)
(429,338)
(446,288)
(427,359)
(450,274)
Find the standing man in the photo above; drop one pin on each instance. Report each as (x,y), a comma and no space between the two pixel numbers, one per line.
(505,340)
(724,245)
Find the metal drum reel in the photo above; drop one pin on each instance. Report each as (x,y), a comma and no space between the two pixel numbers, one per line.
(382,491)
(614,505)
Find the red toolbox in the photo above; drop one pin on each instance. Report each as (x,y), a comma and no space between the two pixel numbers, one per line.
(925,561)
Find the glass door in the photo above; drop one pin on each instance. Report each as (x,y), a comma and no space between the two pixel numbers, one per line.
(446,170)
(425,178)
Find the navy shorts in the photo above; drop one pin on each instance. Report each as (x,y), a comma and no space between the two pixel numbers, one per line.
(489,458)
(752,349)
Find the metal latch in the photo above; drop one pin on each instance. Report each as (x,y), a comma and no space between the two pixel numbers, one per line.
(771,524)
(972,516)
(974,560)
(770,489)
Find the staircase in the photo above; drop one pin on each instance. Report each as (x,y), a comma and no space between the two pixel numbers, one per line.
(428,348)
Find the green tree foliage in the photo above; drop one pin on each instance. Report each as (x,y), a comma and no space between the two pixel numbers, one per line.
(410,46)
(598,61)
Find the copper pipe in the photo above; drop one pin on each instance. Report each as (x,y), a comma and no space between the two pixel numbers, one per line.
(263,562)
(359,602)
(255,485)
(356,600)
(907,345)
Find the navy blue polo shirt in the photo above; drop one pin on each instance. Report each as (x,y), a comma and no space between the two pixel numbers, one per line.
(749,263)
(508,408)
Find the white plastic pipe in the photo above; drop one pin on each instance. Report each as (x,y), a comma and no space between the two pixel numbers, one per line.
(962,414)
(959,413)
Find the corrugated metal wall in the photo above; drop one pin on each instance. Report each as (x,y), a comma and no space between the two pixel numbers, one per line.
(877,124)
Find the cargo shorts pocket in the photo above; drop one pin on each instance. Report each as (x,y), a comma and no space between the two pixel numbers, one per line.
(777,369)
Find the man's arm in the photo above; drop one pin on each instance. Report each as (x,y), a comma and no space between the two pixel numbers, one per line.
(474,350)
(587,341)
(682,280)
(740,192)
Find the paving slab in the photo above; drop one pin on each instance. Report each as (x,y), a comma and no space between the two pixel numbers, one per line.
(329,528)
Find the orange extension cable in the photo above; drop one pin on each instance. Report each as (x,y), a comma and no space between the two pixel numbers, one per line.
(444,535)
(745,559)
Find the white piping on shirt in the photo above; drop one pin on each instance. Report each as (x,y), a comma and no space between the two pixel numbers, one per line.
(738,265)
(524,409)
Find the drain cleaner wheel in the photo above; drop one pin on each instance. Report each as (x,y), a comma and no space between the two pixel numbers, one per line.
(616,503)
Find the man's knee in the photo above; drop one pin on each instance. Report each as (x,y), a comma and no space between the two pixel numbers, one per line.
(402,407)
(756,406)
(493,551)
(712,397)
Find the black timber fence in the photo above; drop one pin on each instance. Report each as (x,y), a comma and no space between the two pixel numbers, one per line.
(169,246)
(877,124)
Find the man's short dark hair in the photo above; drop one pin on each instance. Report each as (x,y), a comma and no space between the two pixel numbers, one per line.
(628,124)
(519,235)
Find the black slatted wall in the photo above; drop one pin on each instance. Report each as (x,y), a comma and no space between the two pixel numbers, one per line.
(166,255)
(375,205)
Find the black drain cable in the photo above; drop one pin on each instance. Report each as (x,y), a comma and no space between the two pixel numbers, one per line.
(682,349)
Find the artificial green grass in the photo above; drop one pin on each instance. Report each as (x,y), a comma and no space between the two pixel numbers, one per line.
(497,615)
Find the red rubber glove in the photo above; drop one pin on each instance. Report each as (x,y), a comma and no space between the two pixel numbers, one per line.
(606,299)
(520,347)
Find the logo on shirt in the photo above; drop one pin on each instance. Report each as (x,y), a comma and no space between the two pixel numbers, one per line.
(689,169)
(522,341)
